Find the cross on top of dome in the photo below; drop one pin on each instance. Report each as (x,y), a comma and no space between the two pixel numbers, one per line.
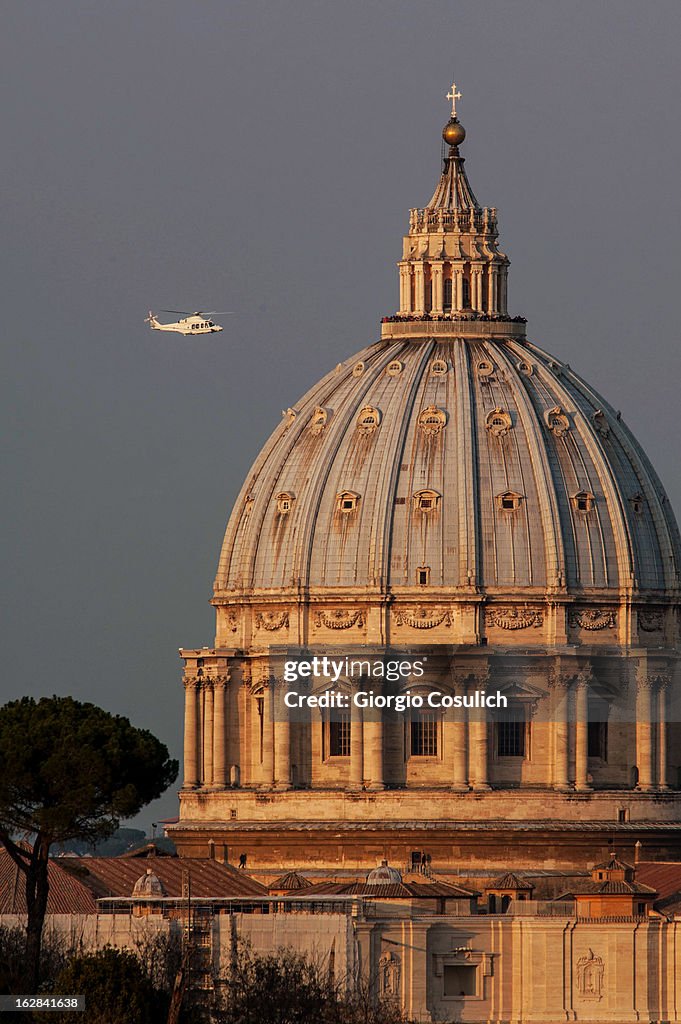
(453,95)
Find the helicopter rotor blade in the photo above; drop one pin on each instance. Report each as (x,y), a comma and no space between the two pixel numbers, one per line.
(215,312)
(180,312)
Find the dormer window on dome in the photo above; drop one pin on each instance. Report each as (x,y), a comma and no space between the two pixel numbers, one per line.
(637,503)
(285,502)
(432,420)
(318,420)
(509,501)
(583,501)
(368,419)
(499,422)
(426,500)
(557,421)
(347,501)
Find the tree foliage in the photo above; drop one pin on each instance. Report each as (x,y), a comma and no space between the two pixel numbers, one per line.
(69,771)
(287,987)
(115,986)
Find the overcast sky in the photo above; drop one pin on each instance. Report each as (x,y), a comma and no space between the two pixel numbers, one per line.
(262,157)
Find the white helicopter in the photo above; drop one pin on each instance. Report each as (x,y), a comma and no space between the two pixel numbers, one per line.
(192,323)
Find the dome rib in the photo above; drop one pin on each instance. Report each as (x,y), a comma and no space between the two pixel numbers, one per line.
(467,460)
(383,560)
(554,551)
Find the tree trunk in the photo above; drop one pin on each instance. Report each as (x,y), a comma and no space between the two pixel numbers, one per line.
(37,888)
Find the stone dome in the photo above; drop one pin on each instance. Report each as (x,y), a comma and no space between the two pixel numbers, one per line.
(384,875)
(148,884)
(484,460)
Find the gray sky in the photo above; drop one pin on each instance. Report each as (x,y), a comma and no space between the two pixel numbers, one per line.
(262,157)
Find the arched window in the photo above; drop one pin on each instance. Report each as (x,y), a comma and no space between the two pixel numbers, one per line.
(447,295)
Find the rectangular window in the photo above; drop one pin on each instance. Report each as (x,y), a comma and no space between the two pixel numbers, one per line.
(339,736)
(511,729)
(260,704)
(459,980)
(424,735)
(597,740)
(597,729)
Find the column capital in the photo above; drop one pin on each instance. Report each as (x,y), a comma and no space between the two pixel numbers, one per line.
(560,680)
(191,683)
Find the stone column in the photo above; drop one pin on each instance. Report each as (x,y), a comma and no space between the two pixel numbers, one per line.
(373,750)
(478,742)
(492,289)
(644,744)
(420,288)
(559,685)
(191,765)
(662,734)
(219,732)
(356,747)
(582,734)
(476,288)
(457,756)
(437,270)
(282,738)
(503,297)
(268,734)
(405,289)
(457,297)
(208,732)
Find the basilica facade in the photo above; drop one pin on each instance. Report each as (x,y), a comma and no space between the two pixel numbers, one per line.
(456,496)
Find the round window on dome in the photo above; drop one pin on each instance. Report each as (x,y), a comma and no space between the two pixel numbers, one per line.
(485,368)
(498,422)
(438,367)
(394,369)
(358,369)
(368,419)
(432,420)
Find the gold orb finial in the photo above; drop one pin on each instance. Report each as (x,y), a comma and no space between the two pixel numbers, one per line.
(453,132)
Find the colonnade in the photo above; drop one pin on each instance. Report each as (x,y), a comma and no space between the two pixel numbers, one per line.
(488,287)
(212,749)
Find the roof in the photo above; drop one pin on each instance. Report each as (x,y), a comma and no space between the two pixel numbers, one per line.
(392,890)
(292,881)
(510,881)
(67,895)
(609,888)
(665,877)
(613,864)
(116,876)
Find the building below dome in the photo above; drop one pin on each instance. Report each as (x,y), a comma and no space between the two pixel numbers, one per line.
(453,498)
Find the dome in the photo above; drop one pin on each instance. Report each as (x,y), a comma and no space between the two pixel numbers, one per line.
(484,459)
(455,495)
(384,875)
(148,884)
